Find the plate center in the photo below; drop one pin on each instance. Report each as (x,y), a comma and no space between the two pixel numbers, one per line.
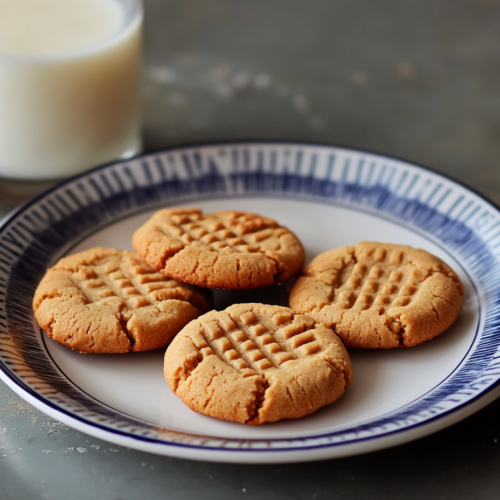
(383,381)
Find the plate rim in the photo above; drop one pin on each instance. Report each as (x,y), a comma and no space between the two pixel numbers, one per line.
(221,455)
(217,142)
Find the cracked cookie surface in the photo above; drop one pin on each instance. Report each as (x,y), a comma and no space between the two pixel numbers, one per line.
(255,363)
(376,295)
(228,250)
(109,301)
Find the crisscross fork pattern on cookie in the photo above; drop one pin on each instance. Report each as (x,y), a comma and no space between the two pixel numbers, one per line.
(246,343)
(135,285)
(379,285)
(219,234)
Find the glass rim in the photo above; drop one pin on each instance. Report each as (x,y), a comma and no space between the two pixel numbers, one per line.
(131,19)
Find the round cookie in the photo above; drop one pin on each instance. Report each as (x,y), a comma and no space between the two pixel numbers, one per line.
(108,301)
(229,250)
(377,295)
(254,363)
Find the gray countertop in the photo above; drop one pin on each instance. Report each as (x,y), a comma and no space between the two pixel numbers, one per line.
(416,79)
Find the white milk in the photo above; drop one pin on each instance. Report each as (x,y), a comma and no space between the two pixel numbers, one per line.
(69,78)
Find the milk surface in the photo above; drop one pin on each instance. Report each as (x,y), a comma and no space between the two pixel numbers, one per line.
(51,26)
(69,80)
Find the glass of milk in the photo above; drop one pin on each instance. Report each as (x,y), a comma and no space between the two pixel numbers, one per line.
(69,85)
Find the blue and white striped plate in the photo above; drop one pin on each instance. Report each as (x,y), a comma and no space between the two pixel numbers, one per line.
(329,197)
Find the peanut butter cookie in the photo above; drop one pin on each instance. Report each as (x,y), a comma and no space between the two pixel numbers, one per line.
(254,363)
(229,250)
(377,295)
(108,301)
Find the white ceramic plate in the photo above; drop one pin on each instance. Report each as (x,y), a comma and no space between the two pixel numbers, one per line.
(329,197)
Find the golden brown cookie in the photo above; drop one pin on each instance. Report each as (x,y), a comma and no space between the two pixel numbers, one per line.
(108,301)
(254,363)
(377,295)
(230,250)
